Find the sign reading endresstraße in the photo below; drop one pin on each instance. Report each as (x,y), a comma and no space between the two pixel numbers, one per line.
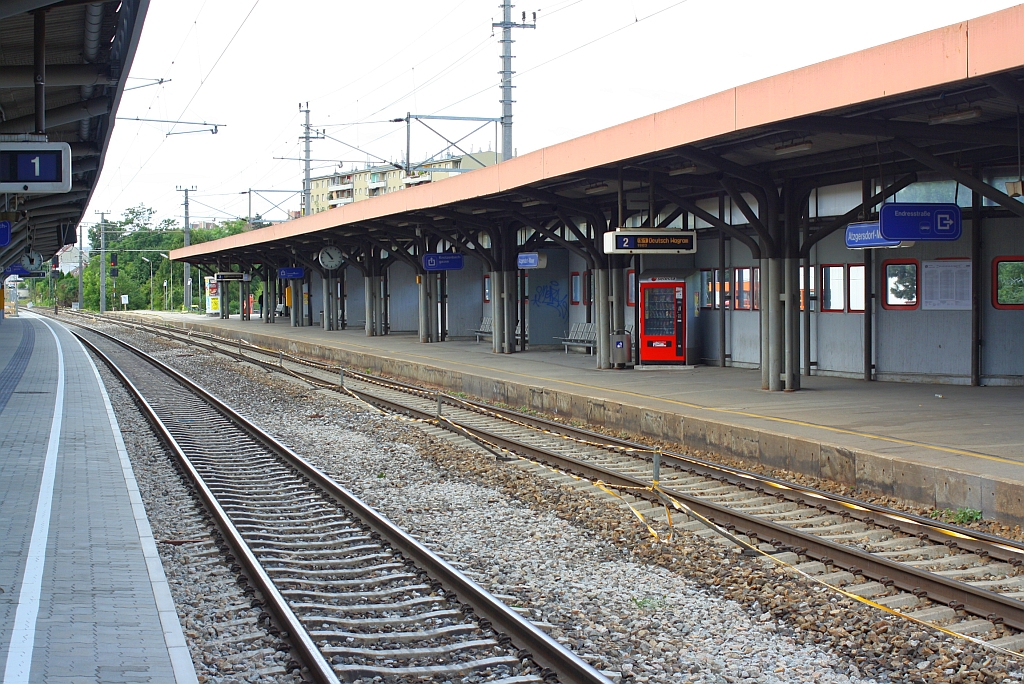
(664,241)
(920,221)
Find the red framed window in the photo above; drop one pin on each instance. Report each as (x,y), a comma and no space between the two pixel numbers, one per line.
(833,286)
(755,288)
(807,294)
(487,289)
(855,288)
(707,289)
(901,279)
(631,287)
(1008,282)
(723,288)
(575,288)
(742,289)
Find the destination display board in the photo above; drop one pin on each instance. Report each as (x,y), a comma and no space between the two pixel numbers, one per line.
(650,242)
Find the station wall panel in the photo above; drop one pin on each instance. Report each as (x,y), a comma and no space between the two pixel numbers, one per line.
(403,298)
(549,299)
(355,307)
(1002,354)
(466,299)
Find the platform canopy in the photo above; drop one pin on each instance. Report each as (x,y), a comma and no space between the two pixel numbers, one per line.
(88,50)
(943,103)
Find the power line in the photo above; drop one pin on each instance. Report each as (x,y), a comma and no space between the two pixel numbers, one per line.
(203,80)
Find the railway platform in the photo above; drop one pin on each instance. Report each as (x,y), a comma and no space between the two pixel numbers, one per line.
(936,445)
(84,596)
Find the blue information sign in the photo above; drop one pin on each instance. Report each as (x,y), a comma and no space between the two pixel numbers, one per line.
(445,261)
(16,269)
(296,273)
(925,222)
(528,260)
(5,233)
(866,235)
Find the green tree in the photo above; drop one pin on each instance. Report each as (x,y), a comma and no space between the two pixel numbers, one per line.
(1010,282)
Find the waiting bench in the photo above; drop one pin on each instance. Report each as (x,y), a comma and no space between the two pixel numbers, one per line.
(581,335)
(486,328)
(585,335)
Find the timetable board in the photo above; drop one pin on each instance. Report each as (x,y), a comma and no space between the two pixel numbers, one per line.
(946,285)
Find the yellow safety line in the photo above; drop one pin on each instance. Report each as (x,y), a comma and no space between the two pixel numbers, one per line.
(700,407)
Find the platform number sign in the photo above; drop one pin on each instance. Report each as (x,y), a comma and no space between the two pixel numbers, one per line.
(35,167)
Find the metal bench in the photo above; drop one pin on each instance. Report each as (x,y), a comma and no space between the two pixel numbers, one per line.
(581,335)
(486,328)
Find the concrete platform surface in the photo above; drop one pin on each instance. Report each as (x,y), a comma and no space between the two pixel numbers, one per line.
(938,445)
(84,597)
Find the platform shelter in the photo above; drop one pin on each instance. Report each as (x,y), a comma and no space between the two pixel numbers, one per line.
(769,174)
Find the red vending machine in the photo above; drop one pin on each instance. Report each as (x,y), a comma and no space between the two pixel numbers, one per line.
(663,322)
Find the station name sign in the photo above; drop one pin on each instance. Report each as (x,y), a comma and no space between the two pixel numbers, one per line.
(920,221)
(293,273)
(867,235)
(650,242)
(528,260)
(35,167)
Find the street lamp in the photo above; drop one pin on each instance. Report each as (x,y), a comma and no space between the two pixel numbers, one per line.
(150,280)
(170,305)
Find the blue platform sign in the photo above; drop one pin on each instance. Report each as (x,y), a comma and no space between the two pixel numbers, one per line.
(527,260)
(5,233)
(866,235)
(16,269)
(296,273)
(924,222)
(445,261)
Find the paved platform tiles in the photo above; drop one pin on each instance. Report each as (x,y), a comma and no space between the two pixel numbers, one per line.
(964,448)
(84,597)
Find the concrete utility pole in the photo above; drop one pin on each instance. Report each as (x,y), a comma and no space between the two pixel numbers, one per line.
(187,280)
(103,260)
(81,248)
(506,25)
(306,208)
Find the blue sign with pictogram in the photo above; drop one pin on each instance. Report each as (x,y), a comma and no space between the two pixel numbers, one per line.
(16,269)
(445,261)
(919,221)
(296,273)
(5,233)
(866,235)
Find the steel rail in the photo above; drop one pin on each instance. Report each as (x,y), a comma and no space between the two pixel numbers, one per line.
(985,604)
(532,641)
(980,602)
(319,668)
(925,528)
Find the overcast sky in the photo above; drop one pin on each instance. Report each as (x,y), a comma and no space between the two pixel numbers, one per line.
(589,64)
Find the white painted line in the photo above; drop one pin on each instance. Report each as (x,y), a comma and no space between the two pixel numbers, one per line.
(23,636)
(174,638)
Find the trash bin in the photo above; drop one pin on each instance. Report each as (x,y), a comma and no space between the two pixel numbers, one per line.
(621,348)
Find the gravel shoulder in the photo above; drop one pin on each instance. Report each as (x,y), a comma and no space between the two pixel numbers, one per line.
(687,610)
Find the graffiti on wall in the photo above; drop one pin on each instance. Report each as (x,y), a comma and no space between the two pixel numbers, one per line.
(551,295)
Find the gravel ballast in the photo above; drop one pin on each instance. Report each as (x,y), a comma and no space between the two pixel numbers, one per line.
(689,610)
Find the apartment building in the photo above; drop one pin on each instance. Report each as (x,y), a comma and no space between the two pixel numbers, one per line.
(345,187)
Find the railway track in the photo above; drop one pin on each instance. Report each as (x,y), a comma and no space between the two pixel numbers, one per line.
(354,595)
(959,580)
